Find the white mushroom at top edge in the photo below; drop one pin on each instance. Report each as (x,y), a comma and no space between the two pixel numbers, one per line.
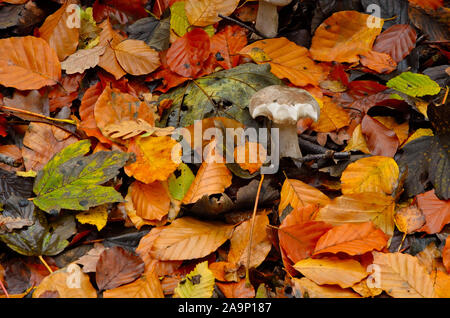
(267,18)
(284,106)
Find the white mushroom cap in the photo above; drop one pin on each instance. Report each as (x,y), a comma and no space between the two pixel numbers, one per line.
(284,105)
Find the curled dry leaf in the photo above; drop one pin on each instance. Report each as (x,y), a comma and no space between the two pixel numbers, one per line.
(127,129)
(306,288)
(82,60)
(409,219)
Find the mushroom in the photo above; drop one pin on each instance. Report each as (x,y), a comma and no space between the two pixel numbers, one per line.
(284,106)
(267,18)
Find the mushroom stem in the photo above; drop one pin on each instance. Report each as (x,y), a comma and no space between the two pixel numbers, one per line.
(267,19)
(288,143)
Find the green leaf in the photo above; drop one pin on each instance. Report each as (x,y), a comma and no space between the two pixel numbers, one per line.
(199,283)
(414,85)
(41,238)
(179,186)
(179,22)
(221,94)
(71,181)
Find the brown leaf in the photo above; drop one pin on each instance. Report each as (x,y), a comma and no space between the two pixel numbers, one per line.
(117,266)
(108,39)
(436,212)
(237,290)
(147,286)
(381,141)
(90,259)
(397,41)
(82,60)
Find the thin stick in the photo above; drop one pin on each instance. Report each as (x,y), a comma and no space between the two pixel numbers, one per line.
(45,264)
(242,24)
(445,96)
(4,289)
(12,109)
(247,276)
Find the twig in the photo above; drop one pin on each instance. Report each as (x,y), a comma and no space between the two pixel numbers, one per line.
(4,289)
(45,264)
(247,276)
(242,24)
(12,109)
(330,154)
(10,161)
(310,146)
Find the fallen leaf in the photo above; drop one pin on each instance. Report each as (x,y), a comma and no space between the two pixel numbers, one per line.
(309,289)
(413,84)
(117,266)
(226,44)
(379,62)
(97,216)
(381,140)
(332,117)
(151,201)
(436,212)
(206,12)
(344,273)
(136,57)
(82,60)
(397,41)
(428,4)
(90,259)
(108,39)
(199,283)
(237,290)
(409,219)
(147,286)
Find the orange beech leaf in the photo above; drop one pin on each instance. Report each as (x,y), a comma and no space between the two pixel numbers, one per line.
(64,94)
(378,62)
(428,4)
(298,194)
(298,241)
(300,215)
(352,239)
(442,284)
(28,63)
(86,110)
(397,41)
(409,219)
(436,212)
(240,241)
(109,38)
(288,60)
(332,117)
(446,255)
(151,201)
(212,177)
(324,271)
(226,44)
(402,276)
(147,286)
(309,289)
(371,174)
(237,290)
(187,54)
(136,57)
(153,158)
(206,12)
(225,271)
(250,156)
(41,142)
(58,31)
(113,107)
(138,221)
(189,238)
(360,207)
(381,140)
(344,36)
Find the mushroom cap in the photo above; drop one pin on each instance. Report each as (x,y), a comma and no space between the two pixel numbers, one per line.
(284,104)
(278,2)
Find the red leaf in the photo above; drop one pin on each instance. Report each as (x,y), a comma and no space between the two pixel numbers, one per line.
(397,41)
(381,141)
(436,212)
(299,241)
(3,126)
(188,53)
(226,44)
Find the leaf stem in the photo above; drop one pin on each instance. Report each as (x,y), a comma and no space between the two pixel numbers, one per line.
(45,264)
(247,276)
(4,289)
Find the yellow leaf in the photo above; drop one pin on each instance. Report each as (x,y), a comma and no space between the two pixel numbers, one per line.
(344,273)
(154,159)
(287,60)
(345,36)
(298,194)
(199,283)
(364,290)
(360,207)
(136,57)
(206,12)
(309,289)
(189,238)
(371,174)
(402,276)
(357,142)
(97,216)
(419,133)
(409,219)
(68,282)
(147,286)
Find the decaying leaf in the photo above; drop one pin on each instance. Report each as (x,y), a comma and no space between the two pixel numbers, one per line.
(197,284)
